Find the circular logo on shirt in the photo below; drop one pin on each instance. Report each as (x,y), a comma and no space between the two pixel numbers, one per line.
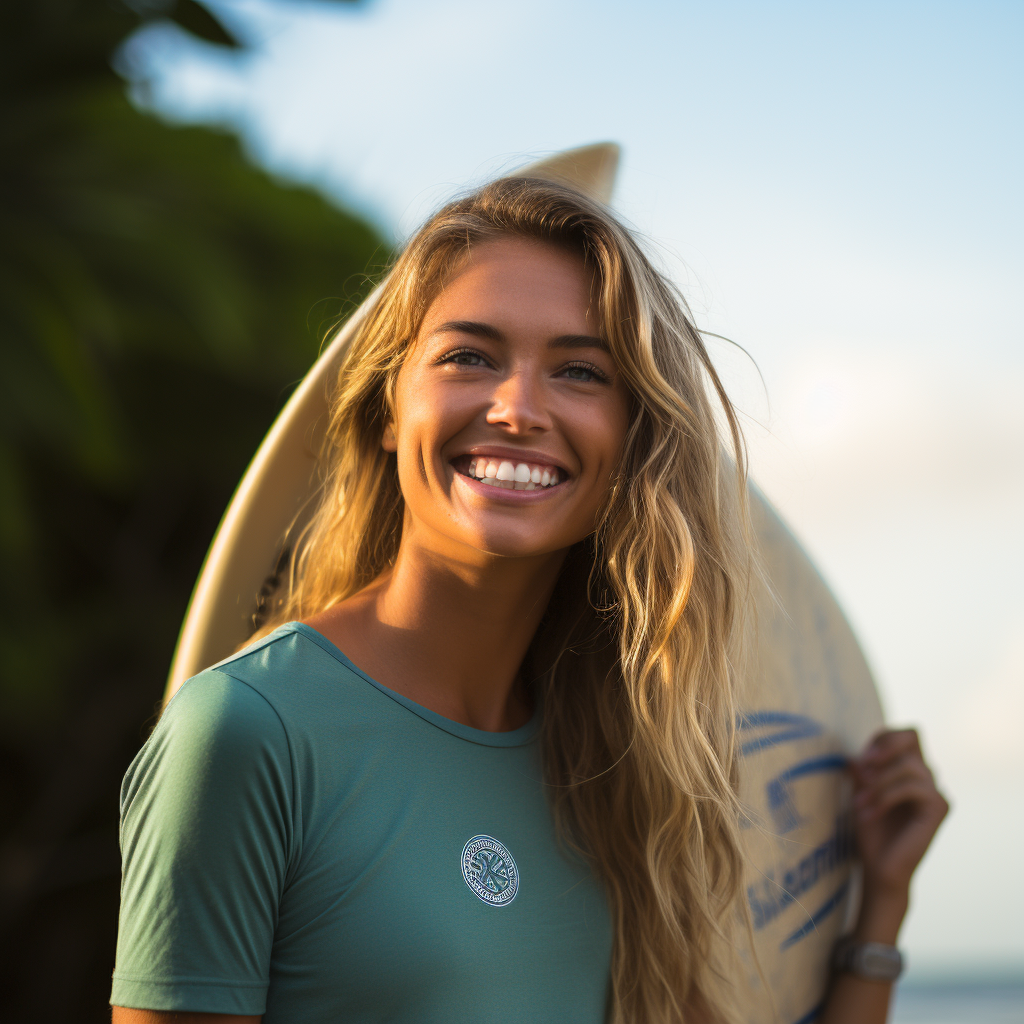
(490,871)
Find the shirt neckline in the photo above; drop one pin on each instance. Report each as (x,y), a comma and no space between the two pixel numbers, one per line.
(513,738)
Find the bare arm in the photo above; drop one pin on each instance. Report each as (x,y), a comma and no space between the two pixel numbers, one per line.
(898,810)
(124,1015)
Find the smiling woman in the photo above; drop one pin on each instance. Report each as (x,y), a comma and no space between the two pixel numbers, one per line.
(495,379)
(481,762)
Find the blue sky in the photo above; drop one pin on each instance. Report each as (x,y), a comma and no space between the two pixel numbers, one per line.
(838,188)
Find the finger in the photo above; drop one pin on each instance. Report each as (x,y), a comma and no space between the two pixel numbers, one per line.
(923,800)
(903,769)
(889,744)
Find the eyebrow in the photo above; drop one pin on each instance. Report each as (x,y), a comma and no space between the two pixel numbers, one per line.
(482,330)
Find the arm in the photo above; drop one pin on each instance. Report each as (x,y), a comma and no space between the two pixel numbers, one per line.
(897,812)
(205,842)
(124,1015)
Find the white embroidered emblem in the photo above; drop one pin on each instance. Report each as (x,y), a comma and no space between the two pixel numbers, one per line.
(490,871)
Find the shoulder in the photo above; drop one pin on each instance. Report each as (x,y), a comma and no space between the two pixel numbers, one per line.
(217,735)
(218,707)
(236,719)
(268,687)
(286,695)
(288,667)
(312,685)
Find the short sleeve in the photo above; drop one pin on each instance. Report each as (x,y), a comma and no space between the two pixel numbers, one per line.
(206,835)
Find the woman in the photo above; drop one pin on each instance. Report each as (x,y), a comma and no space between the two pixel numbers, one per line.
(484,767)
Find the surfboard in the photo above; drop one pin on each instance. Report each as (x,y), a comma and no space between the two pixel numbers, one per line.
(809,703)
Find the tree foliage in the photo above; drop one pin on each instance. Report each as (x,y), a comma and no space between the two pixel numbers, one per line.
(159,296)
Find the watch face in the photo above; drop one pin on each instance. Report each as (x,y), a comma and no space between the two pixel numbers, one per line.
(881,962)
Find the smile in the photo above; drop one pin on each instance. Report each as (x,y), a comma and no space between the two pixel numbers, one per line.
(509,475)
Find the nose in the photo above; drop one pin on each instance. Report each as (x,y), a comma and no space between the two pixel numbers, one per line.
(518,405)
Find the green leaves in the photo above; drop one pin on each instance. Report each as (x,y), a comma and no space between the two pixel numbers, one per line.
(159,297)
(195,18)
(125,239)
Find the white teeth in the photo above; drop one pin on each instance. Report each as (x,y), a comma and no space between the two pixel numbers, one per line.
(520,476)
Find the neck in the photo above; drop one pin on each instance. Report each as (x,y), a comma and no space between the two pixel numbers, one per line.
(450,634)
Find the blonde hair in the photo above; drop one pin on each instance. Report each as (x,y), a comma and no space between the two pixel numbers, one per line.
(633,662)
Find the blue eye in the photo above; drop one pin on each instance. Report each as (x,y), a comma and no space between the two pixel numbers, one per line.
(463,357)
(585,373)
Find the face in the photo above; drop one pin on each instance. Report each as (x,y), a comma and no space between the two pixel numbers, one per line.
(509,413)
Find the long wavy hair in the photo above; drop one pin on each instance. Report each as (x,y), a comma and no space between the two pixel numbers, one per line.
(634,662)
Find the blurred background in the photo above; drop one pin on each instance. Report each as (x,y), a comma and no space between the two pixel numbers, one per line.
(194,193)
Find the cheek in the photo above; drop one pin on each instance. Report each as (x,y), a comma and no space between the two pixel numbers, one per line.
(413,408)
(608,432)
(407,432)
(427,415)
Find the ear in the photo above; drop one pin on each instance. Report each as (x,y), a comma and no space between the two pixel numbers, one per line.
(388,440)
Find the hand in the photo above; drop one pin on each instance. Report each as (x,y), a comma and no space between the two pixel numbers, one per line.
(897,809)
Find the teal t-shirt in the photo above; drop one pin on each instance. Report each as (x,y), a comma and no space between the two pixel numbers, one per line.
(304,843)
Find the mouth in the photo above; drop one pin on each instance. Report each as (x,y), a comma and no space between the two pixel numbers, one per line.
(509,474)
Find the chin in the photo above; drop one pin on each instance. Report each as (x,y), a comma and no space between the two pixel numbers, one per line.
(507,544)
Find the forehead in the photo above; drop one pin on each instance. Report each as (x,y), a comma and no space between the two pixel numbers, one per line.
(518,281)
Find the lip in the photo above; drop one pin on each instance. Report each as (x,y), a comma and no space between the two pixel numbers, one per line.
(515,454)
(508,497)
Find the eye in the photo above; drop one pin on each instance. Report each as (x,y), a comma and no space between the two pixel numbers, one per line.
(585,373)
(463,357)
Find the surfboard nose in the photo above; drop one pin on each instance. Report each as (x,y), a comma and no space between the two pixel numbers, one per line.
(591,169)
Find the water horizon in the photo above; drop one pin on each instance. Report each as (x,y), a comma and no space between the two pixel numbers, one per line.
(933,996)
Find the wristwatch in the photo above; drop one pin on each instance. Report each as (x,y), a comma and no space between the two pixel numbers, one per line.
(873,961)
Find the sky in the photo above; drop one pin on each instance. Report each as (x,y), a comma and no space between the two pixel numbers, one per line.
(838,189)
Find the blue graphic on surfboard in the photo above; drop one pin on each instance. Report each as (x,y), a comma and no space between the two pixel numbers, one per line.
(809,700)
(810,703)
